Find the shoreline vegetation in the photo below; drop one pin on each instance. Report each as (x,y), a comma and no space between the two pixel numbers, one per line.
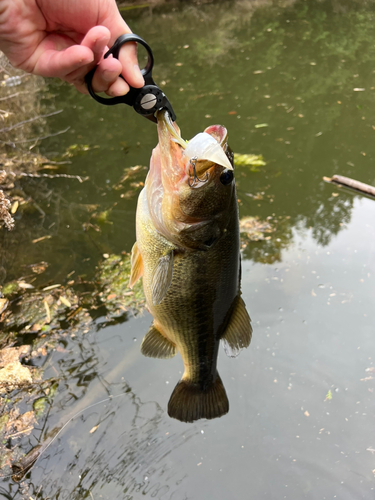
(43,314)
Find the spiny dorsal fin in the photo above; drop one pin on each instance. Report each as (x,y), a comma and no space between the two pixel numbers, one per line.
(162,277)
(189,402)
(238,332)
(136,266)
(155,345)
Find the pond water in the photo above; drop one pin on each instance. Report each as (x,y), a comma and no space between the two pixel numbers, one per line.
(296,83)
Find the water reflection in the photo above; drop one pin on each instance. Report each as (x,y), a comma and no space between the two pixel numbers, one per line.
(119,446)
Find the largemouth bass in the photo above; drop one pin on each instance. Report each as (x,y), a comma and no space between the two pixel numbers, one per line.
(187,250)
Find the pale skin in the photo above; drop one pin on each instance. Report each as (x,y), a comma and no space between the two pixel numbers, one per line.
(67,38)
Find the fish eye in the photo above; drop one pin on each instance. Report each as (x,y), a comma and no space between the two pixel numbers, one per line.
(226,177)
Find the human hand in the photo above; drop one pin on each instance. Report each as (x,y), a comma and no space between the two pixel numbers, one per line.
(67,38)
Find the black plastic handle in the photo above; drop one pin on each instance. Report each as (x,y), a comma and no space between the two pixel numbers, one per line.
(115,51)
(146,100)
(130,97)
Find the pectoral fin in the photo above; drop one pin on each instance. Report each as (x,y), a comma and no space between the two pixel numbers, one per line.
(237,335)
(155,345)
(162,277)
(136,266)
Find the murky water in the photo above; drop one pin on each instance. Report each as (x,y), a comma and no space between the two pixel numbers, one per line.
(301,420)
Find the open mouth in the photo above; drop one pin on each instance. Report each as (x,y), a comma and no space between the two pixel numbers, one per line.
(201,153)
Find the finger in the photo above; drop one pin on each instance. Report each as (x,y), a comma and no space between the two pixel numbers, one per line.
(128,54)
(130,66)
(97,39)
(119,87)
(108,70)
(116,87)
(106,73)
(59,64)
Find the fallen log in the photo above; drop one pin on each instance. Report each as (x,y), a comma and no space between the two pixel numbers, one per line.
(352,184)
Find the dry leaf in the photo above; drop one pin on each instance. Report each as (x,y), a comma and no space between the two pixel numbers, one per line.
(48,319)
(3,305)
(41,239)
(51,287)
(65,301)
(24,285)
(14,207)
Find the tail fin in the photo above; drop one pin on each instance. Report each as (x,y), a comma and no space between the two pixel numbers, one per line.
(189,402)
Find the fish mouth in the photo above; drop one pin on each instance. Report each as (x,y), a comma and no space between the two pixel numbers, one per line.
(199,155)
(180,177)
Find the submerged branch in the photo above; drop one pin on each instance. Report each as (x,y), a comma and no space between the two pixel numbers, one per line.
(53,176)
(35,139)
(352,184)
(20,124)
(15,175)
(5,98)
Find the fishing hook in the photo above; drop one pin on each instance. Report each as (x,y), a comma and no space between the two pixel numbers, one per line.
(194,176)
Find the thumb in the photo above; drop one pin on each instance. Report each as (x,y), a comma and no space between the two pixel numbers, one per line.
(59,63)
(128,53)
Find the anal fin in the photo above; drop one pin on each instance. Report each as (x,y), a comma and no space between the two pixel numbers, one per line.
(155,345)
(136,266)
(238,332)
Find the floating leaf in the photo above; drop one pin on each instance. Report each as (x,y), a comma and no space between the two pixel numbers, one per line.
(39,405)
(249,160)
(328,396)
(102,217)
(254,228)
(38,268)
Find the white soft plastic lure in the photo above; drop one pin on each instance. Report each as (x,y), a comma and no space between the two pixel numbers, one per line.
(201,147)
(205,147)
